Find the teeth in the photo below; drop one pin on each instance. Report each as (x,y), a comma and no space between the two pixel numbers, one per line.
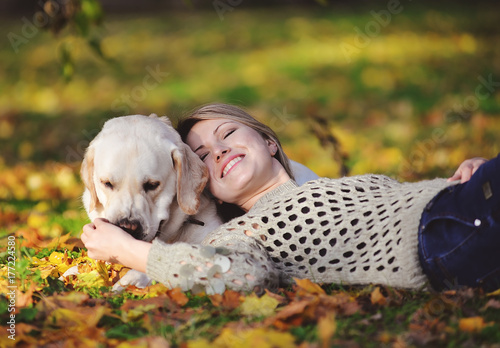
(231,164)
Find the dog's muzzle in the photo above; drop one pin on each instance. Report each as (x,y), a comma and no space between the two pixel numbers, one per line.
(132,227)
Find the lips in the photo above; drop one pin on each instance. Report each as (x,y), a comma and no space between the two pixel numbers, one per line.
(229,165)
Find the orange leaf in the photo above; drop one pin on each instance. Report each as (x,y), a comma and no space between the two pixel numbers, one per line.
(229,300)
(26,299)
(277,297)
(377,297)
(178,296)
(309,287)
(472,324)
(287,313)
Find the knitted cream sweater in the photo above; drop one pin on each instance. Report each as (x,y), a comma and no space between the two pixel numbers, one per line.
(353,230)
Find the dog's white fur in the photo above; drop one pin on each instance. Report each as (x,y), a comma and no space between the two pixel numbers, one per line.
(139,175)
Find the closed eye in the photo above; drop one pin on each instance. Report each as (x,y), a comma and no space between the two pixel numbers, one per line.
(150,186)
(229,133)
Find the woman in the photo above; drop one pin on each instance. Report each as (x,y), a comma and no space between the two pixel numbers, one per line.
(353,230)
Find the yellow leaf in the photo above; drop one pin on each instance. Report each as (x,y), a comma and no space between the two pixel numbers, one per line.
(48,270)
(309,286)
(377,297)
(472,324)
(137,312)
(263,306)
(103,272)
(86,317)
(494,293)
(57,257)
(200,343)
(260,337)
(37,220)
(327,326)
(91,279)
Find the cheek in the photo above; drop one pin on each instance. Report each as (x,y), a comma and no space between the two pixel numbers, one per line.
(102,195)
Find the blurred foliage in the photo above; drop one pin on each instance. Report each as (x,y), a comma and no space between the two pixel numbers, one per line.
(403,95)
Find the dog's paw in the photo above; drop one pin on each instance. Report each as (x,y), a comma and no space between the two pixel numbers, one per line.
(71,271)
(133,277)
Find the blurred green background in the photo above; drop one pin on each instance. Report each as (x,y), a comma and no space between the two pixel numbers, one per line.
(408,89)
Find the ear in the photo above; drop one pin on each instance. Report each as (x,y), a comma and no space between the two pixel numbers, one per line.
(87,173)
(163,119)
(272,146)
(192,176)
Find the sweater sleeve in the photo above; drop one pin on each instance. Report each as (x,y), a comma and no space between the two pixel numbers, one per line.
(235,264)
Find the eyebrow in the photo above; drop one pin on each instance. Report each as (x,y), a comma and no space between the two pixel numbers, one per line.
(215,131)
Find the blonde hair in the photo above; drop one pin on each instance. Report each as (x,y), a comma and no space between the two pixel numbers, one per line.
(234,113)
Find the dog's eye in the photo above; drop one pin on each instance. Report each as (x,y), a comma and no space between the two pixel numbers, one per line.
(108,184)
(150,186)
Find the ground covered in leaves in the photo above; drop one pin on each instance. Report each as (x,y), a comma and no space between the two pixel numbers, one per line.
(40,309)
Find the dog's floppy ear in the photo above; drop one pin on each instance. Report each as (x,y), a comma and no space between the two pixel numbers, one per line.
(163,119)
(87,173)
(192,176)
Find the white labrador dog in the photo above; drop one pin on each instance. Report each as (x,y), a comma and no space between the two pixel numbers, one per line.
(139,175)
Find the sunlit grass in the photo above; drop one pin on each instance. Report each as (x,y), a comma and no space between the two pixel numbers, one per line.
(390,92)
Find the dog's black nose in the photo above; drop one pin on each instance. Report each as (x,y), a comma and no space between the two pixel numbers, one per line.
(132,227)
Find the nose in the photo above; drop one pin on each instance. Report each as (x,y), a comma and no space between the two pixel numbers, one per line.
(220,152)
(132,227)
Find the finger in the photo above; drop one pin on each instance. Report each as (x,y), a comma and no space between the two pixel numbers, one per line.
(89,227)
(100,221)
(455,176)
(466,174)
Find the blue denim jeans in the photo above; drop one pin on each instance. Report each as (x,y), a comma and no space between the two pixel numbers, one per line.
(459,233)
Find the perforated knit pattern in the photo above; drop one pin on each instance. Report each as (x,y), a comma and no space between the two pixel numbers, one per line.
(238,265)
(353,230)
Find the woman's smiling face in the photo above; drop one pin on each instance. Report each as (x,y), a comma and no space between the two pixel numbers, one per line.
(238,158)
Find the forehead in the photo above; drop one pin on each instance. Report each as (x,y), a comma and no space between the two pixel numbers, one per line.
(118,156)
(205,129)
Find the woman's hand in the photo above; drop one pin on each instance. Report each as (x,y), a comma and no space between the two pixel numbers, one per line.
(107,242)
(466,169)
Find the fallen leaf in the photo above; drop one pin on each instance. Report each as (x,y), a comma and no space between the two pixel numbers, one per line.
(327,326)
(308,286)
(259,337)
(178,296)
(491,304)
(376,297)
(472,324)
(254,306)
(145,342)
(25,299)
(287,312)
(228,300)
